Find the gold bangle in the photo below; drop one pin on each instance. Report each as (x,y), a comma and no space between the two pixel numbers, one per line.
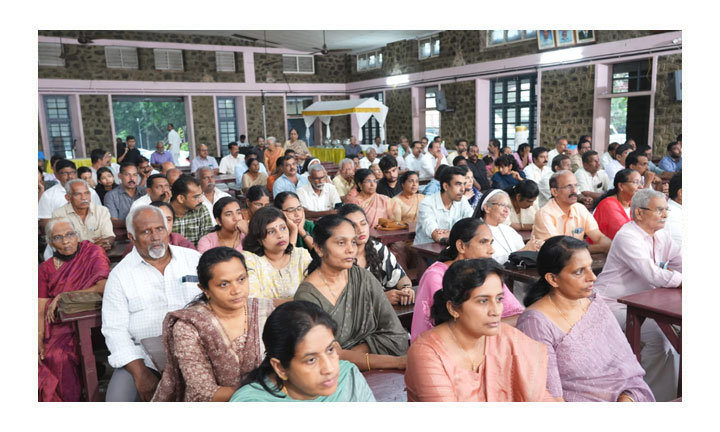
(627,396)
(367,359)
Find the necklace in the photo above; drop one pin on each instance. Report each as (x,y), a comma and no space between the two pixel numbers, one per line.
(335,296)
(57,263)
(472,363)
(584,309)
(243,321)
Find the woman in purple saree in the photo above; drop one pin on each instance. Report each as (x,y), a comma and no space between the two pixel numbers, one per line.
(73,267)
(589,358)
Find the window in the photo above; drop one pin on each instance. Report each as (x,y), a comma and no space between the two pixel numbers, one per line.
(429,47)
(513,103)
(227,122)
(371,129)
(225,61)
(59,125)
(121,57)
(296,105)
(369,61)
(298,64)
(501,37)
(632,76)
(50,54)
(168,59)
(432,115)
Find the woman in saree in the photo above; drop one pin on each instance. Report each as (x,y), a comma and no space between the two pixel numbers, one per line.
(470,238)
(302,361)
(405,204)
(214,342)
(375,205)
(253,176)
(613,209)
(74,266)
(589,357)
(298,145)
(370,333)
(273,151)
(470,355)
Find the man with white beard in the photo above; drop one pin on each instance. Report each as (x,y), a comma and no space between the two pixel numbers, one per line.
(152,280)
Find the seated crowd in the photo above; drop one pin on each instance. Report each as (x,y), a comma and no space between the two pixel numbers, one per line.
(284,293)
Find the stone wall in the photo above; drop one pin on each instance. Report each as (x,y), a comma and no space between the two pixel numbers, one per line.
(340,125)
(203,112)
(399,118)
(274,113)
(566,107)
(88,62)
(331,68)
(668,111)
(97,124)
(460,123)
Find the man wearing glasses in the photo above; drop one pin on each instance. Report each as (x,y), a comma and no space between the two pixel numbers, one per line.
(319,197)
(290,181)
(645,257)
(564,215)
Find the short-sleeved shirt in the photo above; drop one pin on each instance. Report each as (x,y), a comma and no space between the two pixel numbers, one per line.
(351,151)
(551,221)
(432,215)
(600,182)
(119,202)
(158,159)
(96,225)
(342,186)
(195,224)
(133,155)
(199,162)
(54,198)
(317,203)
(284,184)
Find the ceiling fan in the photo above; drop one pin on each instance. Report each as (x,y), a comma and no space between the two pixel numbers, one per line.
(324,50)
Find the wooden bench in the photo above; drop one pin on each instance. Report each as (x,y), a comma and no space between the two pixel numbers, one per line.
(83,323)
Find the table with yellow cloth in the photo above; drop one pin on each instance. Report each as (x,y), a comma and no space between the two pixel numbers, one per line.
(328,154)
(78,163)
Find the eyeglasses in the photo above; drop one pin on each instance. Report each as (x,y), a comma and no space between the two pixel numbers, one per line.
(659,211)
(569,186)
(370,181)
(293,210)
(507,206)
(69,236)
(635,182)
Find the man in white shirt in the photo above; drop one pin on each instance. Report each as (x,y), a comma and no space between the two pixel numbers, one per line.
(560,162)
(211,194)
(538,168)
(152,280)
(227,163)
(379,147)
(54,197)
(319,197)
(431,161)
(413,160)
(394,151)
(618,163)
(242,142)
(158,189)
(560,148)
(438,140)
(438,212)
(369,159)
(593,182)
(174,142)
(673,223)
(609,155)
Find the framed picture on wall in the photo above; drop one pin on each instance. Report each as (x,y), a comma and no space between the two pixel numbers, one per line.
(564,38)
(546,39)
(584,36)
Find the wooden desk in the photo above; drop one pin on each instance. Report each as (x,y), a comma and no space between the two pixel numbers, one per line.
(224,178)
(664,305)
(387,237)
(428,250)
(118,250)
(83,323)
(405,313)
(531,275)
(387,385)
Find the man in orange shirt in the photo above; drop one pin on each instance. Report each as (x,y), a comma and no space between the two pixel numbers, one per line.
(563,215)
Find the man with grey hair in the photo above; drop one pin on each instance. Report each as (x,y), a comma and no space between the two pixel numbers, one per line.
(319,197)
(119,200)
(54,197)
(90,221)
(643,256)
(211,194)
(152,280)
(564,215)
(369,159)
(344,180)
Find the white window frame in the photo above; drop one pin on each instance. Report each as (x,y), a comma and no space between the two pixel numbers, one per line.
(432,40)
(50,54)
(163,59)
(223,60)
(366,56)
(297,70)
(128,57)
(523,38)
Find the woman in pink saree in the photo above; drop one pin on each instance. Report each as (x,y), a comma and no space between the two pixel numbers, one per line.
(375,205)
(73,267)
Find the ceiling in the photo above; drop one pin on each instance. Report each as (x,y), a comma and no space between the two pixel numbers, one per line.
(312,40)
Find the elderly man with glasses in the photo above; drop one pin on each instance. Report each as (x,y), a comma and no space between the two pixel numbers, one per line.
(643,256)
(564,215)
(54,197)
(319,197)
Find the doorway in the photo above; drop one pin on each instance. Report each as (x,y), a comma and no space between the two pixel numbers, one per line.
(629,118)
